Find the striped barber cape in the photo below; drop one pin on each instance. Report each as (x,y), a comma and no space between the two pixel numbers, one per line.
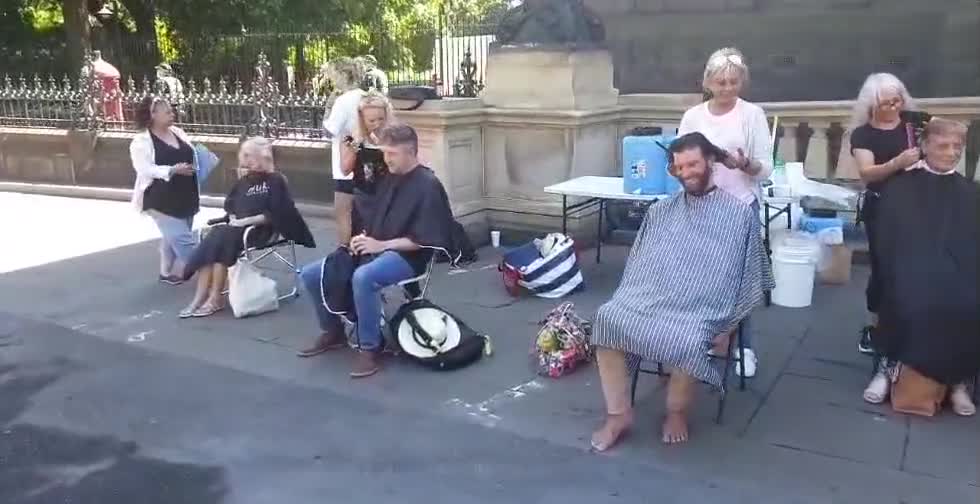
(549,276)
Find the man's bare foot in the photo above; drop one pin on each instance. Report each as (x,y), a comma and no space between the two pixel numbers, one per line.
(675,428)
(615,428)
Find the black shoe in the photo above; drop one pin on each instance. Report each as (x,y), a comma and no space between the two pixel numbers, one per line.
(864,346)
(171,279)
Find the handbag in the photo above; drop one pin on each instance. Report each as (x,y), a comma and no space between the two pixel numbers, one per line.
(435,338)
(249,291)
(914,393)
(547,267)
(562,343)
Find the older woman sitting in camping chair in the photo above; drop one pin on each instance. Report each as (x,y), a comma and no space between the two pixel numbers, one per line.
(260,198)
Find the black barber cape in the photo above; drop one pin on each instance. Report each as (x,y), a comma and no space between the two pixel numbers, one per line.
(254,194)
(414,206)
(926,232)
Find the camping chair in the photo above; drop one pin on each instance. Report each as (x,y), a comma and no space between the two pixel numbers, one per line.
(274,248)
(729,360)
(413,289)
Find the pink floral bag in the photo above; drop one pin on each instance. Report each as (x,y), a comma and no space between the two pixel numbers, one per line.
(562,343)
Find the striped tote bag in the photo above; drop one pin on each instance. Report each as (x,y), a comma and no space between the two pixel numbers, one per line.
(552,274)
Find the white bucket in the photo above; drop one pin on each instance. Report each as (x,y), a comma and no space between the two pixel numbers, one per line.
(794,266)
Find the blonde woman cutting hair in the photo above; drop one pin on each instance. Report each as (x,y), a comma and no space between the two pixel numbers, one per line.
(740,128)
(340,122)
(363,159)
(260,198)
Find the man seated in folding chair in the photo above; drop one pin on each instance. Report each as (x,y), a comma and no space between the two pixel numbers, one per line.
(697,268)
(411,219)
(261,199)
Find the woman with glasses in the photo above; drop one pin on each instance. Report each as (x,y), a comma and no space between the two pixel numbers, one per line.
(882,145)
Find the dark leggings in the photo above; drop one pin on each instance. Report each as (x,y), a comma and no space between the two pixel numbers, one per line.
(868,215)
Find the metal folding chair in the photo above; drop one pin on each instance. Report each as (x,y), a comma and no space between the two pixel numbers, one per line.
(729,360)
(274,248)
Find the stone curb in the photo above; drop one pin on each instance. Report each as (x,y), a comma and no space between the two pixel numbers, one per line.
(109,193)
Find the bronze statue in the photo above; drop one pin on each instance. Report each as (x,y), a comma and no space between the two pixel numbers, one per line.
(551,22)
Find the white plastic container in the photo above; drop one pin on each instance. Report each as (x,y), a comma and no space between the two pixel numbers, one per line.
(794,266)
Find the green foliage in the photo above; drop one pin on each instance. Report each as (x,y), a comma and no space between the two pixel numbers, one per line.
(218,36)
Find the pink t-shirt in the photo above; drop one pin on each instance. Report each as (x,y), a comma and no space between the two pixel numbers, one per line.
(744,127)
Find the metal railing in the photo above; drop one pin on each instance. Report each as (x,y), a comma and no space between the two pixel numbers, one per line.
(226,107)
(423,55)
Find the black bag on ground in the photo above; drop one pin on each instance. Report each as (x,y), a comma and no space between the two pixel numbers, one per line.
(436,338)
(462,248)
(411,97)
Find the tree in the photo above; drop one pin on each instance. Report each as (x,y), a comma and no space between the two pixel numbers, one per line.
(78,32)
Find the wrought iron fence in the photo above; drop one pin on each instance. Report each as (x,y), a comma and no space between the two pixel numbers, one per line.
(220,106)
(427,55)
(224,107)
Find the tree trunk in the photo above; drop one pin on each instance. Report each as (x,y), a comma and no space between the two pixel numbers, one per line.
(148,54)
(78,32)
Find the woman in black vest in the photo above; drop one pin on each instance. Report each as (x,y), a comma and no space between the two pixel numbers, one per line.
(166,183)
(882,145)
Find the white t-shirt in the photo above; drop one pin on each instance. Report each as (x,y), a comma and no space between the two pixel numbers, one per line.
(744,127)
(341,122)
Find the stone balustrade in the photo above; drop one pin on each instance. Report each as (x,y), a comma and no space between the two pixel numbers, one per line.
(494,162)
(813,132)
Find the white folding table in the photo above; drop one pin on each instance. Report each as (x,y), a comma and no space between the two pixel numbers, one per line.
(596,190)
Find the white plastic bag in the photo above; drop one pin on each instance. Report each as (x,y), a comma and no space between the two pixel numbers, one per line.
(250,292)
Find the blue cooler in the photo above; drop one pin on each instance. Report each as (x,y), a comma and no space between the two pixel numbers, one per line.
(645,165)
(817,224)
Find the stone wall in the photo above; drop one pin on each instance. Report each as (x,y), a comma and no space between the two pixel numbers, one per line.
(494,162)
(81,159)
(797,49)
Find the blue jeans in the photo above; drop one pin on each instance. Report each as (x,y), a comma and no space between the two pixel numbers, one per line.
(385,270)
(178,240)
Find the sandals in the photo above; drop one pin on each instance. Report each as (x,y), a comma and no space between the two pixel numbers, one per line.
(188,312)
(961,402)
(204,310)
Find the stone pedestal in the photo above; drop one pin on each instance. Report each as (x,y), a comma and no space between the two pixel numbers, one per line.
(550,78)
(552,116)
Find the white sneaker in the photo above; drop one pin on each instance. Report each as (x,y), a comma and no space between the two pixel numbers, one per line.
(751,363)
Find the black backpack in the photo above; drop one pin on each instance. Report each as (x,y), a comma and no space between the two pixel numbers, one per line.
(417,94)
(413,339)
(461,248)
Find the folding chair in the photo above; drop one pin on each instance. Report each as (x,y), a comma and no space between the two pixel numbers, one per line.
(729,360)
(274,248)
(412,288)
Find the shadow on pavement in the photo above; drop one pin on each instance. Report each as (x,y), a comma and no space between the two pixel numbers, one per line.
(47,465)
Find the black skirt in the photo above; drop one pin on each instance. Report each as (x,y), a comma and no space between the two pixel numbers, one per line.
(224,244)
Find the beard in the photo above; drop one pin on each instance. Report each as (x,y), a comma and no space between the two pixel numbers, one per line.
(697,186)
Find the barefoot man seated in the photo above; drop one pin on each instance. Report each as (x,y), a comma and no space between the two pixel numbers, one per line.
(697,267)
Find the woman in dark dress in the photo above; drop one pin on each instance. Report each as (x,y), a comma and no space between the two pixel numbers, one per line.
(362,157)
(166,183)
(260,198)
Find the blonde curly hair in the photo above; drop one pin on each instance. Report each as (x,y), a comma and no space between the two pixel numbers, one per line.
(372,99)
(344,73)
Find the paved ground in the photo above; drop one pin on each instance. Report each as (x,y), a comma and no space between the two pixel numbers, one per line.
(105,397)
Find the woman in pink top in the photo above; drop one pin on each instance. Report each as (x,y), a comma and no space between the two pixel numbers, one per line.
(739,127)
